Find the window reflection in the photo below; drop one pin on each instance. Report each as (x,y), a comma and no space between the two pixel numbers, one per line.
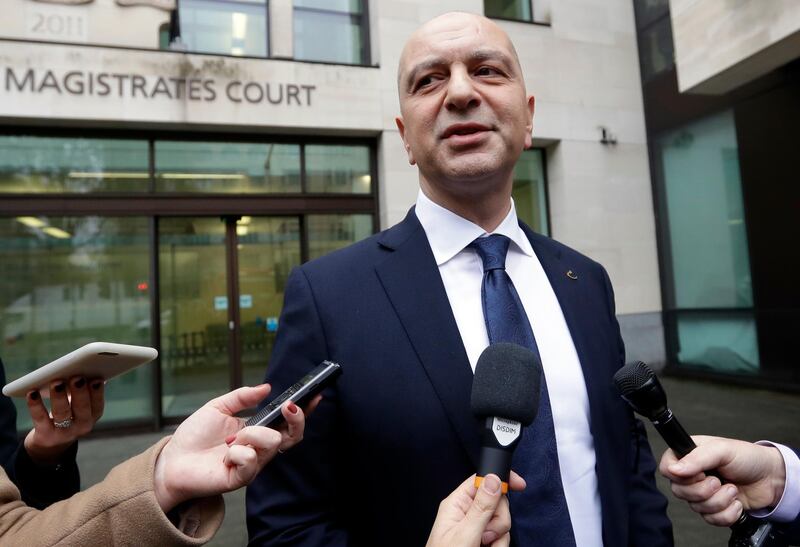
(529,190)
(519,10)
(46,164)
(225,26)
(338,169)
(68,281)
(329,31)
(328,233)
(227,167)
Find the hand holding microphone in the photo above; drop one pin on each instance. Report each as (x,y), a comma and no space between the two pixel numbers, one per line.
(756,478)
(641,389)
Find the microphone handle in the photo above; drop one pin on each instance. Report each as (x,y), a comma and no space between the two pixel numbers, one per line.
(495,460)
(745,532)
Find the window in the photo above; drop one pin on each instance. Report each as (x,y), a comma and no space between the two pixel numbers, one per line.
(54,165)
(229,27)
(656,49)
(68,281)
(327,233)
(331,31)
(338,169)
(711,294)
(518,10)
(530,190)
(217,167)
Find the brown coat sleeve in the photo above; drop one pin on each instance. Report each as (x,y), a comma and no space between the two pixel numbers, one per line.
(121,510)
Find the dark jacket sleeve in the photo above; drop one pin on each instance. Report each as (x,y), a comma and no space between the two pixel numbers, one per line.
(648,524)
(39,485)
(292,502)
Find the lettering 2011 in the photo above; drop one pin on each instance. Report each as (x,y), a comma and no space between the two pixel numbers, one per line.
(137,86)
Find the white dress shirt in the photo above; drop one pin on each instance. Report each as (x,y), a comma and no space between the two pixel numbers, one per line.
(462,274)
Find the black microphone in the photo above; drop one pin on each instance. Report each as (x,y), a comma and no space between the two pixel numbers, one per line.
(640,388)
(505,394)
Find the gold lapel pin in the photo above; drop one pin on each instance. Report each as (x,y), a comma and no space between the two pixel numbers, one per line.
(571,274)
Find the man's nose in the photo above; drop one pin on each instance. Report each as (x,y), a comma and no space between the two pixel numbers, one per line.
(461,92)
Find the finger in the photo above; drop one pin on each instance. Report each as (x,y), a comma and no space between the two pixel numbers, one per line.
(59,404)
(499,525)
(668,458)
(240,456)
(259,437)
(697,492)
(711,455)
(483,506)
(39,415)
(97,396)
(80,402)
(718,502)
(239,399)
(727,517)
(504,541)
(295,425)
(516,483)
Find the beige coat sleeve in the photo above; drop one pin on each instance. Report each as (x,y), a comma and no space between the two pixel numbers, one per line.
(120,511)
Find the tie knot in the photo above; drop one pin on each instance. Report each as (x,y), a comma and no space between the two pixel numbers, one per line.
(492,250)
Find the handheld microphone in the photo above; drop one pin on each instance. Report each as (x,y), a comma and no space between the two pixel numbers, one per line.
(505,394)
(640,388)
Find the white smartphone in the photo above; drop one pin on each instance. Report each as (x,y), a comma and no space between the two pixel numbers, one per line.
(96,360)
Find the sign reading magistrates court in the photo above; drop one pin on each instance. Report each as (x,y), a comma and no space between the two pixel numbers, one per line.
(89,84)
(138,86)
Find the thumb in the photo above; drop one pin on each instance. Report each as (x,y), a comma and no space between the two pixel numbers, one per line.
(239,399)
(703,458)
(483,506)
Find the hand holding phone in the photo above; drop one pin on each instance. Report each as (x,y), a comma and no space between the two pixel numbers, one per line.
(299,393)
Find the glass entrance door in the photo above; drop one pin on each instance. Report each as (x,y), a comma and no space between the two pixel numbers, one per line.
(217,332)
(268,248)
(193,297)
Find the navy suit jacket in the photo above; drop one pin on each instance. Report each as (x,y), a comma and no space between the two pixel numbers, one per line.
(395,435)
(792,529)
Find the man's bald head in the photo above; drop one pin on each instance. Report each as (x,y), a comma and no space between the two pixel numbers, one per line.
(450,26)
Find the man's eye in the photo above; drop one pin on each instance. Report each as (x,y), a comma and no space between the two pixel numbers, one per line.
(486,71)
(423,82)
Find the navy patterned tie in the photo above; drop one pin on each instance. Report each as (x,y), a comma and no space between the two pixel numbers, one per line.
(539,513)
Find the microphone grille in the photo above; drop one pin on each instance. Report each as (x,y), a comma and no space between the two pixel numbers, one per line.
(632,376)
(507,383)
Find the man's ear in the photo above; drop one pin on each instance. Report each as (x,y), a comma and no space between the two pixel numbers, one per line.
(402,129)
(529,125)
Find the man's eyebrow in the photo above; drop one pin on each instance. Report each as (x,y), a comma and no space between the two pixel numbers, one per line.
(481,54)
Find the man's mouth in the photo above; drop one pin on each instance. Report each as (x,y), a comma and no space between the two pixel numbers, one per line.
(464,129)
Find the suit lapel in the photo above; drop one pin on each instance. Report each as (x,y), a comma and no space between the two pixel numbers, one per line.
(414,286)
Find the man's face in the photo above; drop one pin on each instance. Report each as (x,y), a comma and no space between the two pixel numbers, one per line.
(464,113)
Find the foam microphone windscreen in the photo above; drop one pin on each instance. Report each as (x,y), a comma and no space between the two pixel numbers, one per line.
(507,383)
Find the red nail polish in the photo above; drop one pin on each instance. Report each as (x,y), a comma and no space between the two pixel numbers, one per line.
(229,439)
(292,408)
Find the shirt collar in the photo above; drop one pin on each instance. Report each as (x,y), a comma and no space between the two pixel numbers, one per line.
(448,233)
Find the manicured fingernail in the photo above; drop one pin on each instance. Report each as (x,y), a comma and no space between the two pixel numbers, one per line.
(230,438)
(491,484)
(292,408)
(97,385)
(676,467)
(34,395)
(80,382)
(59,387)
